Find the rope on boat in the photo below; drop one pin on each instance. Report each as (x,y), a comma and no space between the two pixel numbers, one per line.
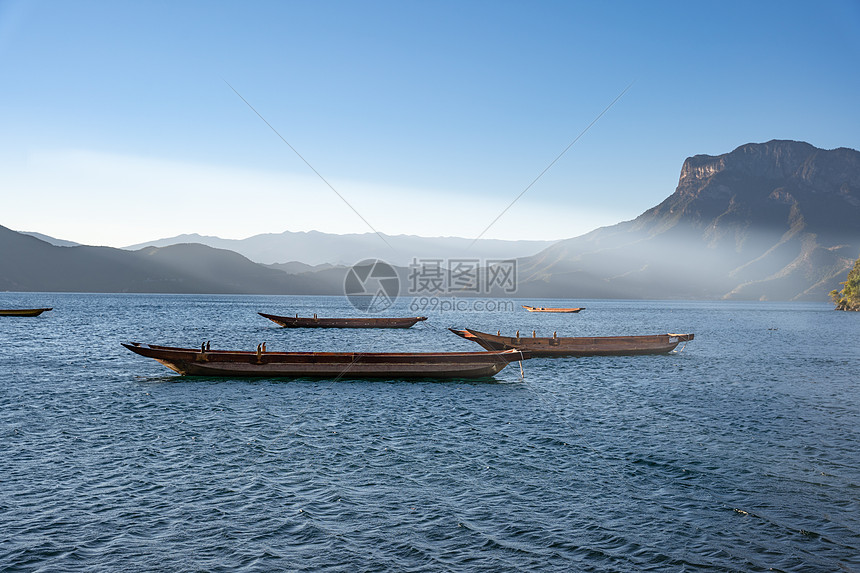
(522,372)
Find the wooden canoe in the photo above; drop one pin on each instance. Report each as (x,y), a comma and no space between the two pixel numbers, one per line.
(577,346)
(545,309)
(205,362)
(23,311)
(314,322)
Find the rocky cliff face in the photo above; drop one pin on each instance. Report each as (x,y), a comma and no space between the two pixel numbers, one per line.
(776,220)
(790,178)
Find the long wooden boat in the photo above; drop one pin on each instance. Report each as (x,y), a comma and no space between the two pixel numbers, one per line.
(314,322)
(546,309)
(206,362)
(577,346)
(23,311)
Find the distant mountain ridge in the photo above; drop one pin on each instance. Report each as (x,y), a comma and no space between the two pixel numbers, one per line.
(30,264)
(768,221)
(316,248)
(773,221)
(51,240)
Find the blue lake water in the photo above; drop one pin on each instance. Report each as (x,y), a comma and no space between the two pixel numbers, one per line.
(740,453)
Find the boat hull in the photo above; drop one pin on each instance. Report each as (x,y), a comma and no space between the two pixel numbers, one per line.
(313,322)
(578,346)
(193,362)
(23,311)
(545,309)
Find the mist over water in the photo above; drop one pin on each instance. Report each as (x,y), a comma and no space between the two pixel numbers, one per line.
(737,454)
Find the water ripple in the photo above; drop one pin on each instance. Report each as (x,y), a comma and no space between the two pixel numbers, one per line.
(730,456)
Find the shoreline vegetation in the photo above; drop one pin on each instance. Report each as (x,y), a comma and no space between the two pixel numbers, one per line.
(849,297)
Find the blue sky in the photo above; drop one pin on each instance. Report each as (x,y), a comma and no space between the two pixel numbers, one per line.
(117,125)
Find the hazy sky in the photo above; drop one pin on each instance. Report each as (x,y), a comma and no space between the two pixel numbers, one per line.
(117,125)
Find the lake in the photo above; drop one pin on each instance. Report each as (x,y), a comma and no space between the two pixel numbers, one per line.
(739,453)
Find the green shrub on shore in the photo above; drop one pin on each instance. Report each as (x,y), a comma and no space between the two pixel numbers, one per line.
(849,297)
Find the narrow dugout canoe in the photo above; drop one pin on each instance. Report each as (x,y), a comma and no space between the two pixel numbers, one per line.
(205,362)
(546,309)
(577,346)
(314,322)
(23,311)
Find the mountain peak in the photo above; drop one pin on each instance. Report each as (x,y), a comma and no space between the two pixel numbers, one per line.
(756,179)
(775,159)
(776,220)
